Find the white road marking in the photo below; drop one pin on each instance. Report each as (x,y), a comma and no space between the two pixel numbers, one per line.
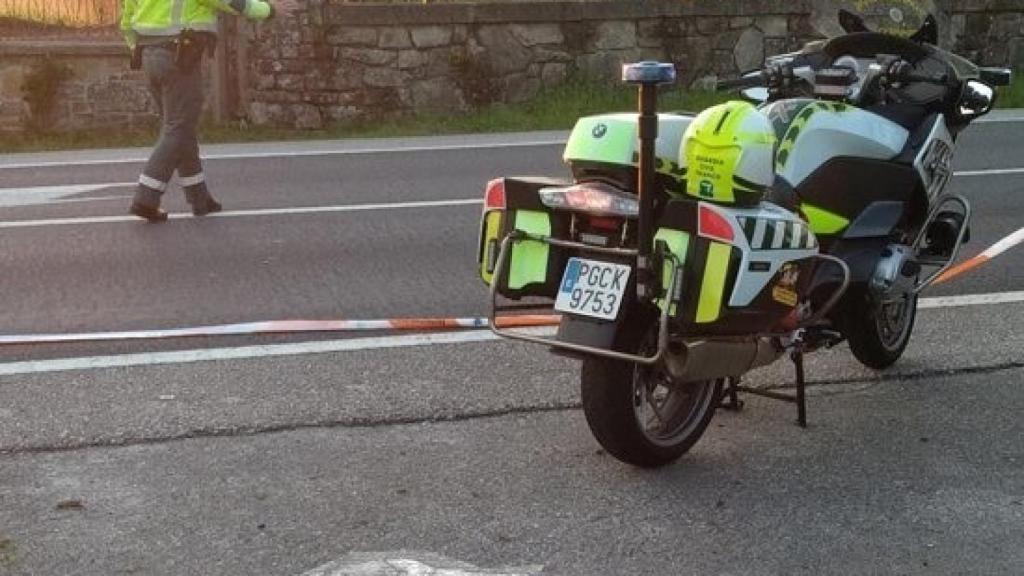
(999,120)
(354,344)
(11,197)
(244,213)
(404,564)
(992,172)
(313,153)
(971,300)
(89,199)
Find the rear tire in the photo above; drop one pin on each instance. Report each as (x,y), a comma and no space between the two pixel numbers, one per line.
(614,395)
(879,333)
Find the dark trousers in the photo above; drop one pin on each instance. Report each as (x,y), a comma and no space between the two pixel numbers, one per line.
(179,97)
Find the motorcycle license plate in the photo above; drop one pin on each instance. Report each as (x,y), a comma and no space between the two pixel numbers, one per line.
(592,288)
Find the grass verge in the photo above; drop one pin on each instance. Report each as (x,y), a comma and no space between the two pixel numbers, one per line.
(1012,96)
(554,109)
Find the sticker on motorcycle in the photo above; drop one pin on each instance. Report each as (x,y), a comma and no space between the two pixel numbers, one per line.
(785,291)
(592,288)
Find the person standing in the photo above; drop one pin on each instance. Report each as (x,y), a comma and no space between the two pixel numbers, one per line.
(168,39)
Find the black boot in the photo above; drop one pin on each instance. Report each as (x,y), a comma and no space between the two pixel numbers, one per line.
(146,204)
(201,200)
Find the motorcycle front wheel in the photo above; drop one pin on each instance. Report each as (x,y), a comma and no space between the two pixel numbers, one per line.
(640,416)
(879,333)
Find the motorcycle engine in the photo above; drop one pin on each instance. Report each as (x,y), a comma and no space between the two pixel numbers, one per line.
(896,272)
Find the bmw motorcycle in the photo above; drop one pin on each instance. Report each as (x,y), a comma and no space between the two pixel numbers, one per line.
(689,249)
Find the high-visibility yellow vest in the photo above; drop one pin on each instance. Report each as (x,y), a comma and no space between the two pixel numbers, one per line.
(171,17)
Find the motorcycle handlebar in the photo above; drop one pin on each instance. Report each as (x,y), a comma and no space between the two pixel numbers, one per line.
(740,83)
(940,79)
(903,71)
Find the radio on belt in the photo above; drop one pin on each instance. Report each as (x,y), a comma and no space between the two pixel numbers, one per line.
(834,83)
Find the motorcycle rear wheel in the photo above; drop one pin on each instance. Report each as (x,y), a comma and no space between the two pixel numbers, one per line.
(640,416)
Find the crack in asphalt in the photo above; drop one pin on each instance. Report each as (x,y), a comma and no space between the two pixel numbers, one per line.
(369,423)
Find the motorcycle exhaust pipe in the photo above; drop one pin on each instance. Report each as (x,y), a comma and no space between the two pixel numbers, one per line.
(700,360)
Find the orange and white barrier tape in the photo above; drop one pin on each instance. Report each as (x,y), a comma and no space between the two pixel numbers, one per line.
(976,261)
(287,327)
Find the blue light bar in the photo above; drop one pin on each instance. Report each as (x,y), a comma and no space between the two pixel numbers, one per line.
(649,72)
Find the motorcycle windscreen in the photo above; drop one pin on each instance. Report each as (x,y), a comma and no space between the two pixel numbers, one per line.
(903,18)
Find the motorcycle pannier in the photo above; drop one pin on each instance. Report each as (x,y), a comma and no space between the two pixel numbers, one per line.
(532,268)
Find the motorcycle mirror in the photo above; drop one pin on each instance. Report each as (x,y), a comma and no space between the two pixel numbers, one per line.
(757,94)
(929,32)
(976,100)
(996,76)
(852,23)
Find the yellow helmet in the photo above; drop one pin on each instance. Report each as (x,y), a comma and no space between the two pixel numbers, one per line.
(729,154)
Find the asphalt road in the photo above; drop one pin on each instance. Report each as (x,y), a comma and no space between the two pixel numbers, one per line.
(151,458)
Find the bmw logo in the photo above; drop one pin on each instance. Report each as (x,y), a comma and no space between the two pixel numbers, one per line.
(600,130)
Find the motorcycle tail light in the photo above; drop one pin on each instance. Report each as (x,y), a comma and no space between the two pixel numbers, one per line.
(605,223)
(594,198)
(494,196)
(713,225)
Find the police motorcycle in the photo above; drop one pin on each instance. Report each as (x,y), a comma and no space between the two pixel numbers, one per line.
(688,250)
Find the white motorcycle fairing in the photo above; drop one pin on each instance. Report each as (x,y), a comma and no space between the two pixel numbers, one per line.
(813,132)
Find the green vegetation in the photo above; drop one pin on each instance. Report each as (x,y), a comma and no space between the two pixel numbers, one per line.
(553,109)
(8,552)
(1012,96)
(39,89)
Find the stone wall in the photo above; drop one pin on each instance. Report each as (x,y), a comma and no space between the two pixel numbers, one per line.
(341,61)
(988,32)
(100,91)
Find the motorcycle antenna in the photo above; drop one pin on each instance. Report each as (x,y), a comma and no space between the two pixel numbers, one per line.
(647,76)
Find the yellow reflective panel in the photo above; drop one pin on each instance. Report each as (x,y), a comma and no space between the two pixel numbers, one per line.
(822,221)
(529,262)
(492,227)
(678,242)
(712,289)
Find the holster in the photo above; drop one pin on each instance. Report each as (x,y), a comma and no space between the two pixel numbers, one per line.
(136,60)
(188,50)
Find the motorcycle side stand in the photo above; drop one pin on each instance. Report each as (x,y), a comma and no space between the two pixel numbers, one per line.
(731,399)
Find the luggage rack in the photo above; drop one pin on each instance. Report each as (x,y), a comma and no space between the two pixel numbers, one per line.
(942,264)
(673,292)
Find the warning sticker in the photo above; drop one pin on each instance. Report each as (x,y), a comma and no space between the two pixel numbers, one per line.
(785,291)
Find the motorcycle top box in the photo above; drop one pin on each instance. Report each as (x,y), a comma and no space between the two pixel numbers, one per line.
(606,147)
